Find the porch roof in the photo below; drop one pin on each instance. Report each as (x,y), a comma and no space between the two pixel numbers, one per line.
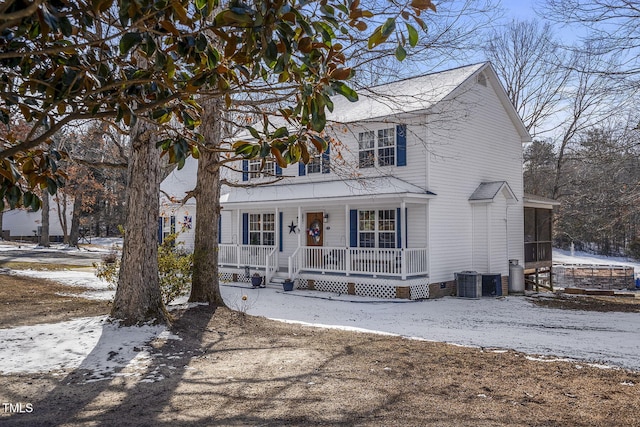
(378,188)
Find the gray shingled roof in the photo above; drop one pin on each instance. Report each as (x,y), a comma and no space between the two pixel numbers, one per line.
(487,191)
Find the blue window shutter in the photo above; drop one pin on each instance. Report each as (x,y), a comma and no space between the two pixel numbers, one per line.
(245,170)
(245,228)
(302,169)
(159,230)
(278,170)
(401,145)
(398,228)
(281,223)
(353,228)
(219,228)
(326,166)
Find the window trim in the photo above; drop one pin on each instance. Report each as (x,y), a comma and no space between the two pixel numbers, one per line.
(376,149)
(261,232)
(378,231)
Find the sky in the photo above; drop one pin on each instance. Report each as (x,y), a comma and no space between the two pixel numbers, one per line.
(495,324)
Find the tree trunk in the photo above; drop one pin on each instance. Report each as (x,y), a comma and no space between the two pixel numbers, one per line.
(138,298)
(205,286)
(61,202)
(44,229)
(74,233)
(1,226)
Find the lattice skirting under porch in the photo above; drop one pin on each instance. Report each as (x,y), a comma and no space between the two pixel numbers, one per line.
(417,288)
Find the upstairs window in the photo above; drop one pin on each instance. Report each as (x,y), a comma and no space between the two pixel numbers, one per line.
(253,169)
(367,146)
(319,162)
(385,147)
(257,171)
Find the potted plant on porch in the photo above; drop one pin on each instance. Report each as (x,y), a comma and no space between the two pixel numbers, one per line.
(256,280)
(287,285)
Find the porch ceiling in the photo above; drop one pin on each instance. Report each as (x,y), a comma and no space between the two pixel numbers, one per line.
(378,188)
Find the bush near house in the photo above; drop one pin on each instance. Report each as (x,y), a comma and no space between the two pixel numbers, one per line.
(175,268)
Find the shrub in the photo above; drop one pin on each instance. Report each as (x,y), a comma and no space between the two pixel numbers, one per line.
(175,268)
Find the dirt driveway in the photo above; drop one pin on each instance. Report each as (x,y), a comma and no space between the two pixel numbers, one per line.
(232,369)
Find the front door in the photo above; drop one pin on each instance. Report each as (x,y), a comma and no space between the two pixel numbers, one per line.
(315,230)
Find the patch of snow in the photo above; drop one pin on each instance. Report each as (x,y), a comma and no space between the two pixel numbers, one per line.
(92,343)
(561,256)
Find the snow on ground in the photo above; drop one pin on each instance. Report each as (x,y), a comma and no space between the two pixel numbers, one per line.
(602,339)
(98,244)
(565,257)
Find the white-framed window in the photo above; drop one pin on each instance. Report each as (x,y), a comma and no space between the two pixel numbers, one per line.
(377,228)
(262,229)
(168,226)
(318,162)
(377,148)
(257,171)
(367,149)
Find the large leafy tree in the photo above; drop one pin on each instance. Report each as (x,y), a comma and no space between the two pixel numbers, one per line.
(141,62)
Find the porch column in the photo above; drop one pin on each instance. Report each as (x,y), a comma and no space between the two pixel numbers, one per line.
(403,243)
(299,225)
(238,236)
(276,237)
(347,227)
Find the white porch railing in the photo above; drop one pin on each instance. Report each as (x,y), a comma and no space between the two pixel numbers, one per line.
(322,259)
(372,261)
(271,265)
(244,255)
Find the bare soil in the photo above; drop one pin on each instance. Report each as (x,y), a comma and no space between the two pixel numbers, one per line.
(231,369)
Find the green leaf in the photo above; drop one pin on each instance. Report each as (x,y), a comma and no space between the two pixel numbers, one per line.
(388,27)
(344,90)
(280,132)
(376,38)
(244,150)
(253,132)
(128,41)
(400,53)
(413,35)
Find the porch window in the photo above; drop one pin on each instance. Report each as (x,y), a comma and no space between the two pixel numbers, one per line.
(377,228)
(262,229)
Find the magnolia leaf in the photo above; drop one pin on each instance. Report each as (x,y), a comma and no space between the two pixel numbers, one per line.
(128,41)
(344,90)
(388,27)
(279,159)
(401,54)
(423,5)
(413,35)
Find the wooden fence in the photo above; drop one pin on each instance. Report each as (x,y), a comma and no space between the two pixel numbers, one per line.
(593,276)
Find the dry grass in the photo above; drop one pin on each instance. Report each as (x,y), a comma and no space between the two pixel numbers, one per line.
(231,369)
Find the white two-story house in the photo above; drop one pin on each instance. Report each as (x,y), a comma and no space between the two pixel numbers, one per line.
(423,179)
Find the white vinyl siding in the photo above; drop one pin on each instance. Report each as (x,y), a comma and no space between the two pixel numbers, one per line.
(483,147)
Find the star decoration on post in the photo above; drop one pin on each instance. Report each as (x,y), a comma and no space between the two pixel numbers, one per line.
(293,228)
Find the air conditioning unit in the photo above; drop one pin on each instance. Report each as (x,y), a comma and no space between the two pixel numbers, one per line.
(469,284)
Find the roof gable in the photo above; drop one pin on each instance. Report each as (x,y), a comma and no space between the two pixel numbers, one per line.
(487,192)
(403,96)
